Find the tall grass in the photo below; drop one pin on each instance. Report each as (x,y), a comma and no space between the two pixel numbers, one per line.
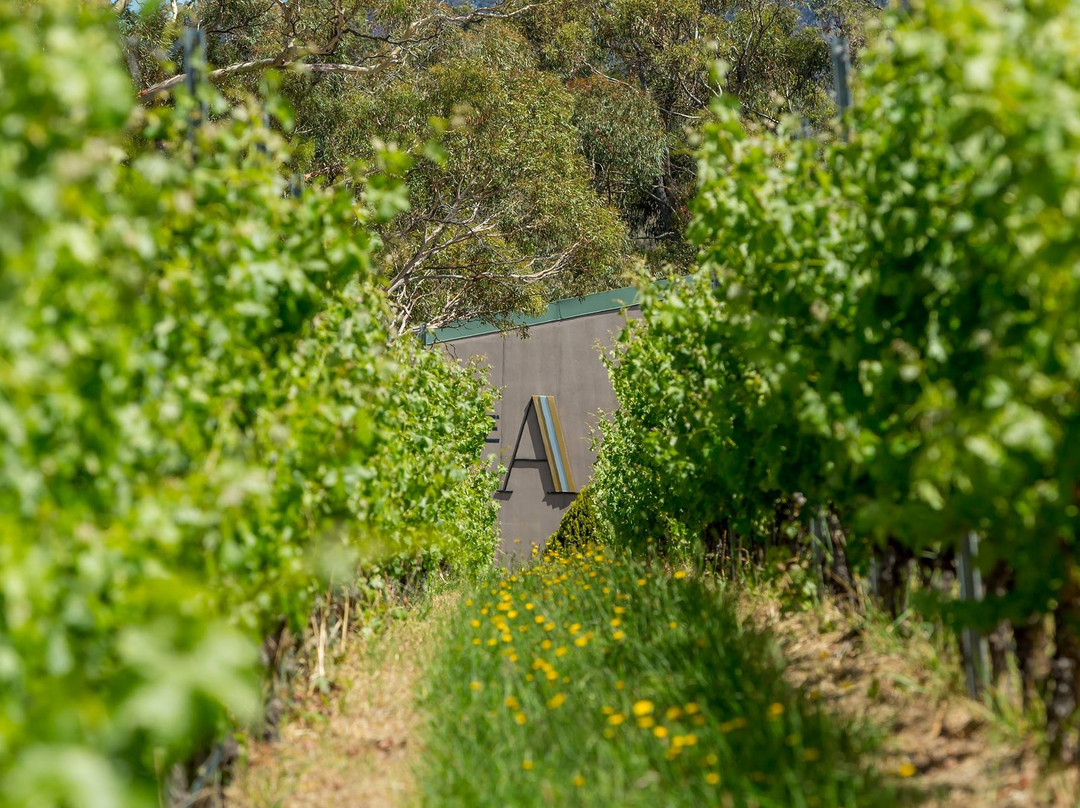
(590,679)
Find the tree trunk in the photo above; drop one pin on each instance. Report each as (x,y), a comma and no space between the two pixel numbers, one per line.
(998,583)
(1064,671)
(892,576)
(841,582)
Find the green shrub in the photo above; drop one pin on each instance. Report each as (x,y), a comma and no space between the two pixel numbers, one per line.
(580,525)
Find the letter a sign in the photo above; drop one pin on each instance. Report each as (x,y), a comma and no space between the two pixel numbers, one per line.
(558,461)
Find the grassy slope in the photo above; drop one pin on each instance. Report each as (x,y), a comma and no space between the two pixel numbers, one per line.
(590,680)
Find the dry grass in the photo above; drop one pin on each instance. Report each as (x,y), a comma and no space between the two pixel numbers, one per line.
(962,755)
(356,747)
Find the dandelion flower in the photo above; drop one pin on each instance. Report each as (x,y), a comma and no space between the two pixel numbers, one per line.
(512,703)
(579,781)
(475,686)
(556,701)
(527,765)
(776,709)
(616,719)
(520,718)
(660,732)
(680,574)
(712,778)
(907,770)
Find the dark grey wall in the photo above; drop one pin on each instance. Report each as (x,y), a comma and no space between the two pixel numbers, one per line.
(560,359)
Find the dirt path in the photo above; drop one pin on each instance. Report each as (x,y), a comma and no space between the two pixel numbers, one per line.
(960,754)
(355,748)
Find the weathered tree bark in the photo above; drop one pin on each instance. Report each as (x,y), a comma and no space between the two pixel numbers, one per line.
(1030,637)
(892,576)
(999,583)
(1064,680)
(841,582)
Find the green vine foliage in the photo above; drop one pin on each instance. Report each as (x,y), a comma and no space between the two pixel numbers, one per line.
(885,315)
(200,408)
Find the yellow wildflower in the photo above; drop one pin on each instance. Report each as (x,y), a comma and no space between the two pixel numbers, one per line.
(712,778)
(520,718)
(776,709)
(616,719)
(556,701)
(512,703)
(527,765)
(619,635)
(680,574)
(907,770)
(579,781)
(475,686)
(660,732)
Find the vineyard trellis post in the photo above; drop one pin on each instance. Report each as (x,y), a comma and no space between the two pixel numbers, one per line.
(972,643)
(818,527)
(193,43)
(841,62)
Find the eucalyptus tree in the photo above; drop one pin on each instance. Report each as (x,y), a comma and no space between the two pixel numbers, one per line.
(503,215)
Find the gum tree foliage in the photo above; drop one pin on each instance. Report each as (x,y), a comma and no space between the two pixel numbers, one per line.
(779,64)
(200,405)
(885,321)
(503,215)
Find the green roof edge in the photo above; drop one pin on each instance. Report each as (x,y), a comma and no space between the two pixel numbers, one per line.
(596,303)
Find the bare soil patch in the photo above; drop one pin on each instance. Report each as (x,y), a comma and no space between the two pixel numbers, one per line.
(962,755)
(355,747)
